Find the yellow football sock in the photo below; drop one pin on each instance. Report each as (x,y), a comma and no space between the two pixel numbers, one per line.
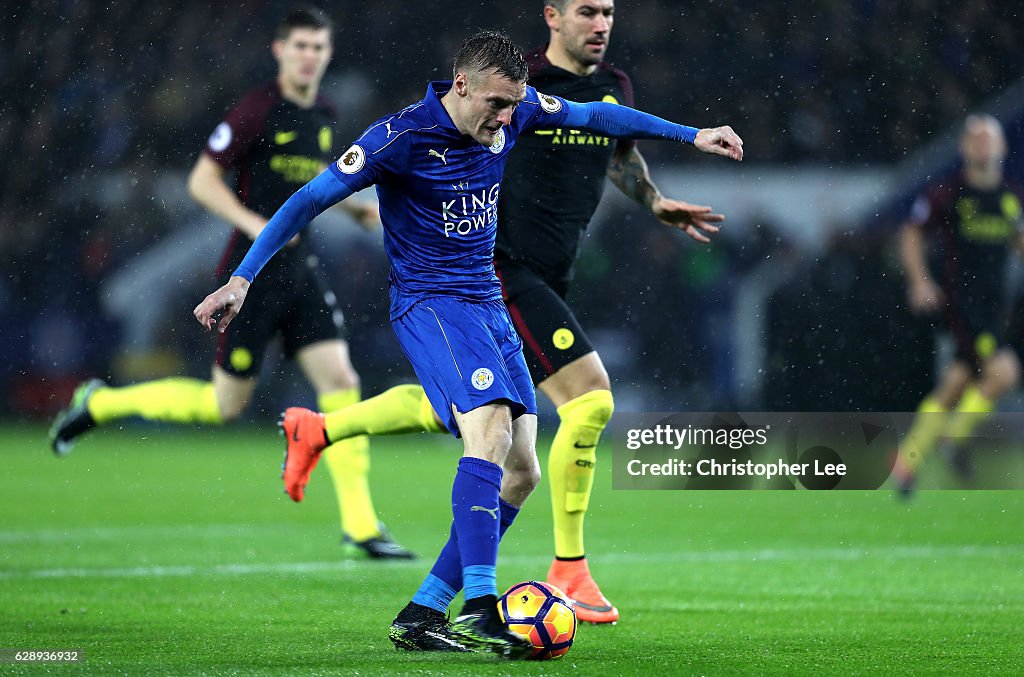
(571,466)
(403,409)
(349,463)
(173,400)
(972,409)
(924,432)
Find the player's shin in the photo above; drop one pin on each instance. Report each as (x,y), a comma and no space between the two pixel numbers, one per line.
(477,524)
(445,578)
(924,432)
(971,411)
(349,465)
(171,400)
(571,466)
(402,409)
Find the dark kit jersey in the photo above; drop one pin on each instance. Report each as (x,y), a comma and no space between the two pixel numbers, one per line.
(975,229)
(554,178)
(275,146)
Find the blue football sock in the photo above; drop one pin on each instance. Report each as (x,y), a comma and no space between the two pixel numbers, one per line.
(477,524)
(508,515)
(435,593)
(445,579)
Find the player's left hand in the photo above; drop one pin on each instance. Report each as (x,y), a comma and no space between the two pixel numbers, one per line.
(367,215)
(226,301)
(365,212)
(720,141)
(694,220)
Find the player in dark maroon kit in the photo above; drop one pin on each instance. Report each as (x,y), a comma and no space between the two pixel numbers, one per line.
(976,216)
(276,139)
(552,185)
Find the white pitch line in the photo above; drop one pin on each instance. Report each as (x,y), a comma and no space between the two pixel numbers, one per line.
(714,556)
(76,535)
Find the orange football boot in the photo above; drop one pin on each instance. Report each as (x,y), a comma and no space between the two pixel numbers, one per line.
(306,438)
(574,579)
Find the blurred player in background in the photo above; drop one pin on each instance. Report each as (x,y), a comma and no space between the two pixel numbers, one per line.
(277,138)
(977,218)
(552,186)
(438,166)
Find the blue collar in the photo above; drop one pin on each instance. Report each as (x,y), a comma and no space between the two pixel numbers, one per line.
(432,100)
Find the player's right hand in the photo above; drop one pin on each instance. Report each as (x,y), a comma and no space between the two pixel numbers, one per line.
(720,141)
(925,297)
(226,301)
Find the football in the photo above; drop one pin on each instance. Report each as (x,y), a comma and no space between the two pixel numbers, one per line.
(542,614)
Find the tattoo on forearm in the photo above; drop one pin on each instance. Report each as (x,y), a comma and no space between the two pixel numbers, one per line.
(629,174)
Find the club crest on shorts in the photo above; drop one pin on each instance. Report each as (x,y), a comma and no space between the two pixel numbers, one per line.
(352,160)
(563,338)
(241,359)
(549,103)
(482,378)
(499,141)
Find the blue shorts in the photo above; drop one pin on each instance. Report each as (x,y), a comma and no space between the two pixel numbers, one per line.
(466,354)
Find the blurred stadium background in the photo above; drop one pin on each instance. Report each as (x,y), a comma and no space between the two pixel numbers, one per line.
(846,108)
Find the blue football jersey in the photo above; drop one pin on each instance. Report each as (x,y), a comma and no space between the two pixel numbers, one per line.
(438,192)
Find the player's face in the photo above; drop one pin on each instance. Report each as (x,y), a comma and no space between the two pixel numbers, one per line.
(983,144)
(303,56)
(487,105)
(585,28)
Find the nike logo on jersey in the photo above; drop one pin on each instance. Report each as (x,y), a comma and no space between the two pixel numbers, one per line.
(281,138)
(433,153)
(583,446)
(493,512)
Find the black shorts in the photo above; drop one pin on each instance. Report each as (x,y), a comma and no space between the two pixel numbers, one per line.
(291,299)
(552,336)
(978,330)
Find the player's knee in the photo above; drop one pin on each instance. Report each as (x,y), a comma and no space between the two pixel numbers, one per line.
(338,379)
(1005,369)
(599,381)
(521,479)
(230,410)
(593,409)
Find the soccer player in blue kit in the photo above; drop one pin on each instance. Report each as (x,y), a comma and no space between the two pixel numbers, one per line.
(437,166)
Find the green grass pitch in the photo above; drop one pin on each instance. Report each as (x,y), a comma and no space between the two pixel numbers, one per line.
(175,552)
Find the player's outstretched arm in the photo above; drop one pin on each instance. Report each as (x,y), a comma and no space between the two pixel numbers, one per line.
(622,122)
(628,171)
(295,214)
(365,213)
